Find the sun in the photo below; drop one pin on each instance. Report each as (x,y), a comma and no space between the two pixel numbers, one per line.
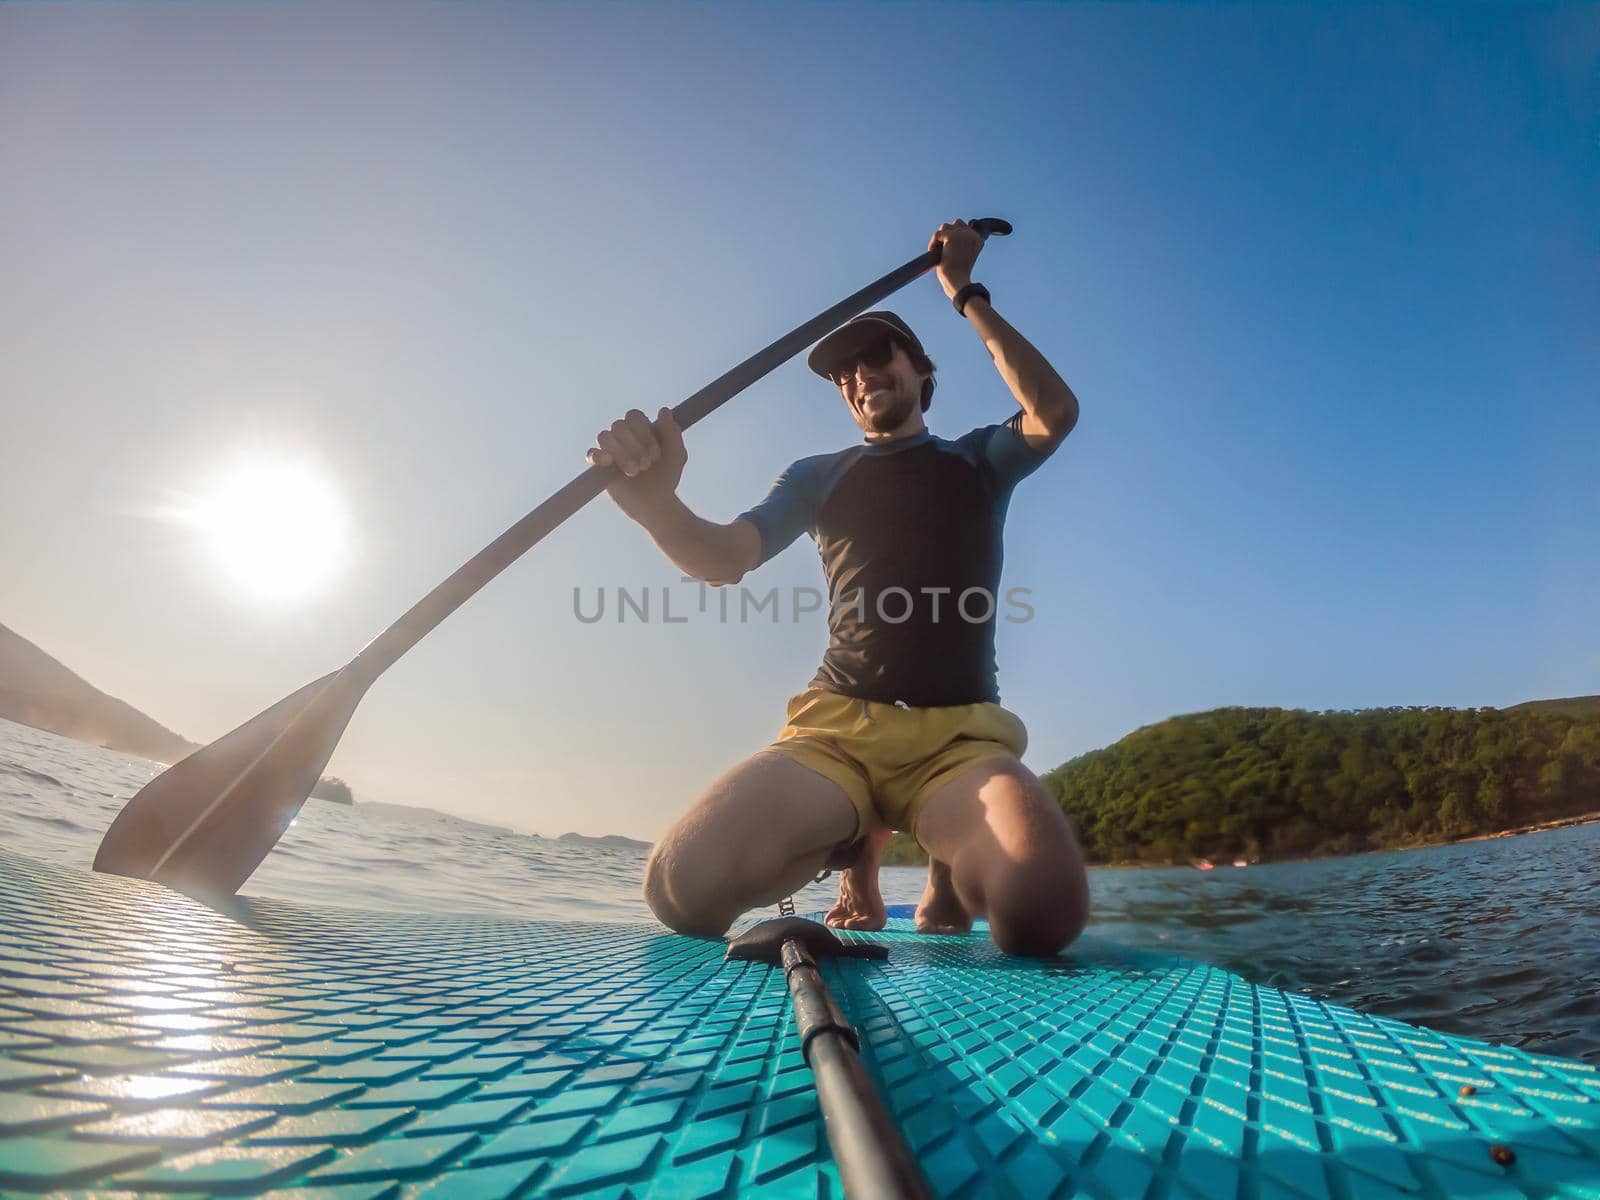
(276,527)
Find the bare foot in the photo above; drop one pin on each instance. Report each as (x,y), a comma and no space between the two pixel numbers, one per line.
(860,904)
(941,910)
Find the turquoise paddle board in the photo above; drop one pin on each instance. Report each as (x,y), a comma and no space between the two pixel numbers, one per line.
(150,1044)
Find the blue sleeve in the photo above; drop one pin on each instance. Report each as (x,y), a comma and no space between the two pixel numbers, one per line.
(788,511)
(1006,452)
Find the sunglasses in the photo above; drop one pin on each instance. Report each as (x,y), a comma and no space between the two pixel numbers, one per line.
(874,354)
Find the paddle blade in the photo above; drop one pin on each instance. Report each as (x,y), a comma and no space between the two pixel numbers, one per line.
(204,824)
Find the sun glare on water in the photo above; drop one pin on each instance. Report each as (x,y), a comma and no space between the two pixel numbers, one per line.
(277,529)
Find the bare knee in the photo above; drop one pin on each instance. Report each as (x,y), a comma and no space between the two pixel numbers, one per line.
(1037,905)
(681,902)
(1036,911)
(749,840)
(1013,856)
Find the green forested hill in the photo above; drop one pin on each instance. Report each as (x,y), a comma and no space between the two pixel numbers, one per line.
(1274,782)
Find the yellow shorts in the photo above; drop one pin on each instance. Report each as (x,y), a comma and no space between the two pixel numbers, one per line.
(890,759)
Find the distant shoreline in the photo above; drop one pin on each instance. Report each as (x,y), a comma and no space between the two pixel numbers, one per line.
(1585,819)
(902,859)
(1588,818)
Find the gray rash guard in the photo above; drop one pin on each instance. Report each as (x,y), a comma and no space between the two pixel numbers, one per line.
(906,531)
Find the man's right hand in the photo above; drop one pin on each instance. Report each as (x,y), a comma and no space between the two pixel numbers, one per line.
(649,459)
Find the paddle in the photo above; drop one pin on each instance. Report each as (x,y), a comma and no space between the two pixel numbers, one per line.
(873,1159)
(205,823)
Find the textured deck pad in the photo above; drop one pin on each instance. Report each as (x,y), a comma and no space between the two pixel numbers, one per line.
(149,1043)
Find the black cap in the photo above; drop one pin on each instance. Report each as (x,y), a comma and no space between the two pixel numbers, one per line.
(842,345)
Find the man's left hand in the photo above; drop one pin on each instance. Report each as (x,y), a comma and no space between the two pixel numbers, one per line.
(961,246)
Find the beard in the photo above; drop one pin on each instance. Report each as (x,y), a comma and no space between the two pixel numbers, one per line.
(889,419)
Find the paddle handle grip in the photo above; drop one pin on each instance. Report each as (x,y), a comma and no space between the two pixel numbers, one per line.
(722,389)
(418,621)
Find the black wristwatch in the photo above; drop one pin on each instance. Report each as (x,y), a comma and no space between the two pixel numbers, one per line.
(967,293)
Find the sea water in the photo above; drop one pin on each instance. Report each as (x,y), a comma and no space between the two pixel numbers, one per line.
(1496,939)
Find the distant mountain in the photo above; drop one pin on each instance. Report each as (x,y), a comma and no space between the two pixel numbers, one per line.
(37,690)
(609,839)
(333,789)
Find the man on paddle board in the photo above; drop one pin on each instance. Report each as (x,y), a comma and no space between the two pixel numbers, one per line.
(902,727)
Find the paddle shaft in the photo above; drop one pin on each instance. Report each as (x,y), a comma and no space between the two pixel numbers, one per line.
(384,650)
(873,1158)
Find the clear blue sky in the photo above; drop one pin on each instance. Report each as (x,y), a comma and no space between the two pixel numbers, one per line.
(1323,278)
